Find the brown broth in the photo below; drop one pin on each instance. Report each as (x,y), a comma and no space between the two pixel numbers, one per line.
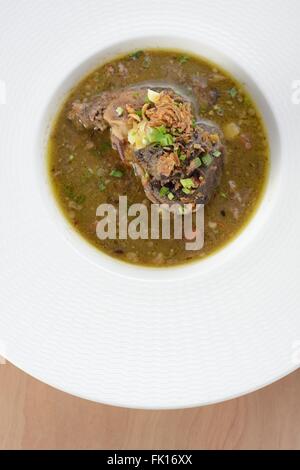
(81,179)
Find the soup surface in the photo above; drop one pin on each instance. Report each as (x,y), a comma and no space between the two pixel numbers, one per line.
(85,170)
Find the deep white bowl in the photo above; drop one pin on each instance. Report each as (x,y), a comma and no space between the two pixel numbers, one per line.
(140,337)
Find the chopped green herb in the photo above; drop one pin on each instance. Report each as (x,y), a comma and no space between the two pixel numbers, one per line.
(224,195)
(171,196)
(182,157)
(197,162)
(247,101)
(166,140)
(158,135)
(186,191)
(217,153)
(183,59)
(139,113)
(233,92)
(117,174)
(158,131)
(187,183)
(80,199)
(207,159)
(120,111)
(164,191)
(69,191)
(86,175)
(105,146)
(194,123)
(136,55)
(101,186)
(147,62)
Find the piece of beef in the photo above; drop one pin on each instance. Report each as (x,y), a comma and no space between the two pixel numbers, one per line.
(90,114)
(101,111)
(207,176)
(157,167)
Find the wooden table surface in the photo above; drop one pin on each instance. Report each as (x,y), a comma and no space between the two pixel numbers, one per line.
(35,416)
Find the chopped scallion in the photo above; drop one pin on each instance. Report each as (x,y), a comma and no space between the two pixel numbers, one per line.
(117,173)
(101,186)
(187,183)
(164,191)
(207,159)
(183,59)
(233,92)
(120,111)
(136,55)
(197,162)
(186,191)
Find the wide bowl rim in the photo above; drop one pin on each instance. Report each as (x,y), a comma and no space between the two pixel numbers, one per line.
(133,341)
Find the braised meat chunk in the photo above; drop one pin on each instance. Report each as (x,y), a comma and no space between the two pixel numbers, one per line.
(190,177)
(177,157)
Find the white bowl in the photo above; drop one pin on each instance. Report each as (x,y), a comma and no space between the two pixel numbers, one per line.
(115,333)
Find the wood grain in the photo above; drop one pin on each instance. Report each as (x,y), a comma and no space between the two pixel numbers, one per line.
(35,416)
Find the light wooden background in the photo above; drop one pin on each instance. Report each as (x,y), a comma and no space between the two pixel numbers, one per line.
(35,416)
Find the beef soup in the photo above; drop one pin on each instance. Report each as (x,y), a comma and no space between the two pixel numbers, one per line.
(159,127)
